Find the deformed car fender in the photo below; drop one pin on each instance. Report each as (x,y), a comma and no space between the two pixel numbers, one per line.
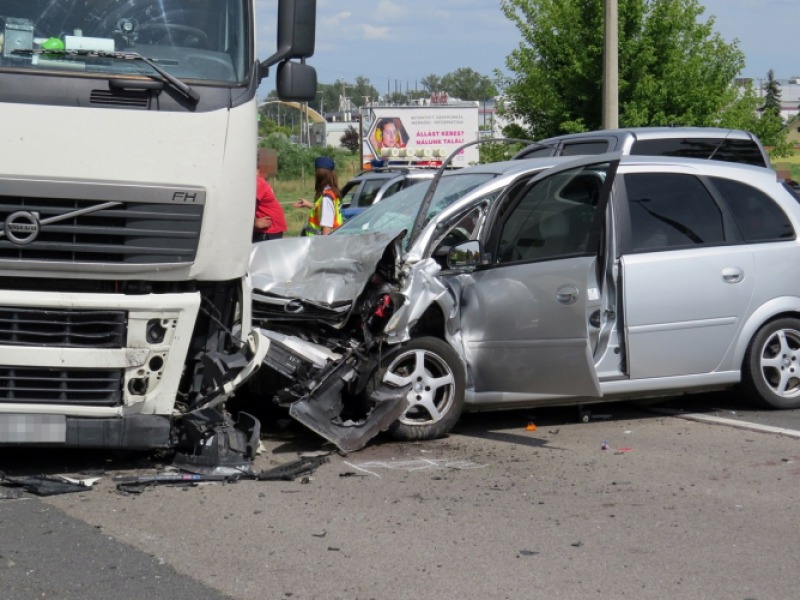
(421,289)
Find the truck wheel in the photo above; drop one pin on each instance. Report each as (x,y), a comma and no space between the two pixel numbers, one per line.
(436,398)
(771,370)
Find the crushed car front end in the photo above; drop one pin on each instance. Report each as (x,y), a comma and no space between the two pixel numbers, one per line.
(331,308)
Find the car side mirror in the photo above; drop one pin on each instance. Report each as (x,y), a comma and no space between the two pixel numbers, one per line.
(466,255)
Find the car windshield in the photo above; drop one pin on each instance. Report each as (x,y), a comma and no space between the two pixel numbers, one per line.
(203,40)
(399,211)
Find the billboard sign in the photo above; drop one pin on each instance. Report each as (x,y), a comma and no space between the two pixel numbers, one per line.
(421,134)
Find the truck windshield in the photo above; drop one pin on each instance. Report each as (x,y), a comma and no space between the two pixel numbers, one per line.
(196,40)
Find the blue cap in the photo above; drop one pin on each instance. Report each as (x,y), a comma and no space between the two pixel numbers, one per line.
(324,162)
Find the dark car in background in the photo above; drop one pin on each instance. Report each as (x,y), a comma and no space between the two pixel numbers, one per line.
(369,187)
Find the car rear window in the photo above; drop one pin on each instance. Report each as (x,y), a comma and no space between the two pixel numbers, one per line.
(728,150)
(758,217)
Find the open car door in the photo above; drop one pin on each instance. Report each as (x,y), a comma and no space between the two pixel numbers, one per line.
(525,311)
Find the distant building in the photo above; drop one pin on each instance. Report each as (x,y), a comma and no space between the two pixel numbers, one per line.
(793,130)
(330,133)
(790,93)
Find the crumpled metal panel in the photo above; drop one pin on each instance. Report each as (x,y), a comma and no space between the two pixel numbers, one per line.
(324,268)
(421,288)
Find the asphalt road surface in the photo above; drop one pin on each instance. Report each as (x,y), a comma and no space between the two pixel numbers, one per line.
(516,505)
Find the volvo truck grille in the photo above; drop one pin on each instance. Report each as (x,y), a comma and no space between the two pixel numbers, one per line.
(113,224)
(87,387)
(62,328)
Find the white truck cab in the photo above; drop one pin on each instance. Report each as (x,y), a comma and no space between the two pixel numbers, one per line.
(127,195)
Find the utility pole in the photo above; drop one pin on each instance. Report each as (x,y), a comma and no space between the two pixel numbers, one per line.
(611,67)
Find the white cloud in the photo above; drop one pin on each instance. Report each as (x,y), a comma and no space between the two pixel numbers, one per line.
(372,32)
(334,21)
(387,9)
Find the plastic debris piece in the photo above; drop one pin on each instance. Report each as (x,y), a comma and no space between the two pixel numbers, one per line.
(136,484)
(292,470)
(44,485)
(530,427)
(88,482)
(604,445)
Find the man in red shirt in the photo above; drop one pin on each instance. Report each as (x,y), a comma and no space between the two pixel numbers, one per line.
(270,222)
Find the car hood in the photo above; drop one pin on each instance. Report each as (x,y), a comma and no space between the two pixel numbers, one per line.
(317,277)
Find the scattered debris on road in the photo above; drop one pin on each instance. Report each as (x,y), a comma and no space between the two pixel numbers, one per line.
(48,485)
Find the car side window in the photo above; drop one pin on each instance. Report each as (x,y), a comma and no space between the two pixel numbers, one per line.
(552,219)
(758,217)
(349,192)
(671,210)
(370,191)
(584,148)
(395,187)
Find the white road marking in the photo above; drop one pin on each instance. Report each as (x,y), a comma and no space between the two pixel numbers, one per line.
(423,464)
(749,425)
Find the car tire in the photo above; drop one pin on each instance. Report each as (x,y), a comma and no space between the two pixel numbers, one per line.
(771,370)
(436,399)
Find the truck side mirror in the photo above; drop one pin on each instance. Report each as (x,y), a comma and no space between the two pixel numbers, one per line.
(297,20)
(296,82)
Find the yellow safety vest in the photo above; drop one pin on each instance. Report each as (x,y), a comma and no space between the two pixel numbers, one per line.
(313,227)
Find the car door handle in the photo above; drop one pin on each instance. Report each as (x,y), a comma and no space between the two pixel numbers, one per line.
(732,275)
(567,295)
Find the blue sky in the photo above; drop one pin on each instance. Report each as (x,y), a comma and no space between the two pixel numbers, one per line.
(395,43)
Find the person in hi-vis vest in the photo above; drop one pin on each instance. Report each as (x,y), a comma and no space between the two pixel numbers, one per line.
(325,213)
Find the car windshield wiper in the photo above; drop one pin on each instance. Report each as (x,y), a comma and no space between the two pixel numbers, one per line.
(168,77)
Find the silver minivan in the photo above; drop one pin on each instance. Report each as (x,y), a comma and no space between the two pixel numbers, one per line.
(548,281)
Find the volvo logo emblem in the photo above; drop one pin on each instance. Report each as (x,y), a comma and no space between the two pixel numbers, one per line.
(22,227)
(294,306)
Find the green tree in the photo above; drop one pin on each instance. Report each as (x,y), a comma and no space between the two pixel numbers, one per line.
(329,94)
(362,91)
(351,140)
(275,117)
(431,83)
(772,93)
(748,112)
(467,84)
(267,126)
(296,161)
(674,70)
(770,127)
